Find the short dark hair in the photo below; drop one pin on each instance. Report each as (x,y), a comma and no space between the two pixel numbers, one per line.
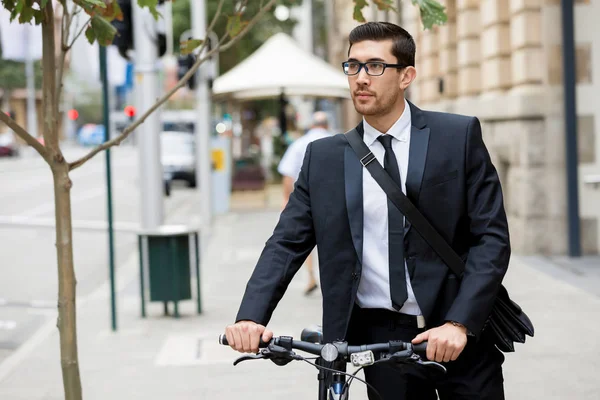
(404,45)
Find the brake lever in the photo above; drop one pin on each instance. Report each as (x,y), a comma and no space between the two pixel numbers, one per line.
(403,356)
(249,357)
(408,356)
(433,364)
(279,355)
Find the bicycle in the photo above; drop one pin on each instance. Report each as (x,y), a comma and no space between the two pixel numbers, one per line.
(337,354)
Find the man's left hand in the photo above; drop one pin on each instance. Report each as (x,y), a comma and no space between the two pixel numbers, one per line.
(444,343)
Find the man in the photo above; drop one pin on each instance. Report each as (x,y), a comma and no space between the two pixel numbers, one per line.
(446,171)
(290,166)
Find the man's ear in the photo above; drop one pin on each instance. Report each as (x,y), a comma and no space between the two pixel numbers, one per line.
(407,76)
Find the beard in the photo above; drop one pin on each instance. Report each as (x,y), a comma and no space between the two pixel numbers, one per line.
(376,105)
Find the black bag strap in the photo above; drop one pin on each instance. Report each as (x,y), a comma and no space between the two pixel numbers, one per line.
(394,193)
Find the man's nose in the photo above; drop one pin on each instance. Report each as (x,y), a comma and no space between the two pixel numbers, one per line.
(362,77)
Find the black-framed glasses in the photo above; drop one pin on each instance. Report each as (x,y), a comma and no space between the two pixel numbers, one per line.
(373,68)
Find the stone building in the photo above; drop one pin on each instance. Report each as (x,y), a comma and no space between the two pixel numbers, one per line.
(501,61)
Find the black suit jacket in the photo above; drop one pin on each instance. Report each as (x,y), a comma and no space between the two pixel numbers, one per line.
(452,181)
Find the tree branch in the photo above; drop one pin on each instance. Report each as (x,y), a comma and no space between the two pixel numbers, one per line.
(217,15)
(67,20)
(127,131)
(49,88)
(211,26)
(23,134)
(250,25)
(78,34)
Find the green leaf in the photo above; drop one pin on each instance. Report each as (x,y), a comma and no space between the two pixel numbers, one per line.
(38,16)
(113,11)
(26,15)
(103,30)
(385,5)
(90,35)
(43,4)
(97,3)
(235,25)
(9,4)
(16,11)
(188,46)
(358,6)
(432,13)
(151,4)
(110,10)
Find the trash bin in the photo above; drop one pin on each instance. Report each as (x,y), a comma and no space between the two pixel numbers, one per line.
(166,256)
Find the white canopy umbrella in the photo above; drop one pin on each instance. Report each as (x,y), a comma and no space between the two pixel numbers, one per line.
(281,65)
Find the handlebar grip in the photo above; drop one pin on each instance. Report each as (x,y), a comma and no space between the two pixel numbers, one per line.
(420,349)
(224,342)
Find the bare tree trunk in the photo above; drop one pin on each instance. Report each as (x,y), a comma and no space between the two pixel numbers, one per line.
(67,322)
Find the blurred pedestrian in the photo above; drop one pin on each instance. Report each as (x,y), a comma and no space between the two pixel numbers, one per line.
(289,168)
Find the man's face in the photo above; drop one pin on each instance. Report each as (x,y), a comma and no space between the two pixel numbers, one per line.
(375,95)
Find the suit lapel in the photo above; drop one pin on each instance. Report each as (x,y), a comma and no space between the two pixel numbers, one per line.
(353,182)
(419,143)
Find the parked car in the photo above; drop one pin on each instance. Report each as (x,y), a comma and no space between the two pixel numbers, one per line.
(8,144)
(178,158)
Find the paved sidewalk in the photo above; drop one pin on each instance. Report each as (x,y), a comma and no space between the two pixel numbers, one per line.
(164,358)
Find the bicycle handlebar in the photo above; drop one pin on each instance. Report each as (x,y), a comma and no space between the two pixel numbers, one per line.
(279,350)
(343,349)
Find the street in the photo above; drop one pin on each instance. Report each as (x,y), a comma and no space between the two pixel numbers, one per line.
(28,271)
(161,357)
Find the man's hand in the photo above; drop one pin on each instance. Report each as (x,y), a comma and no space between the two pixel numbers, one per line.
(244,336)
(444,343)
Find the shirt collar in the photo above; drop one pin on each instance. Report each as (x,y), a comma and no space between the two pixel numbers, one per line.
(399,130)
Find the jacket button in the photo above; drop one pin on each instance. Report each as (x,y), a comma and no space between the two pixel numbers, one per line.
(355,276)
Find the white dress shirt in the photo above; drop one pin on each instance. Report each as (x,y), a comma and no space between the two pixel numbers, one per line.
(374,287)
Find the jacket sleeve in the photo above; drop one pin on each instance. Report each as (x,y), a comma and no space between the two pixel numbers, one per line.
(489,252)
(286,250)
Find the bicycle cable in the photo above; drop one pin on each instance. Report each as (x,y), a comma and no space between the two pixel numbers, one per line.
(344,373)
(353,376)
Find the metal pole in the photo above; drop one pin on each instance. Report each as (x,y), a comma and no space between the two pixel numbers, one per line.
(169,26)
(30,76)
(307,34)
(203,129)
(570,110)
(111,241)
(331,31)
(198,283)
(150,171)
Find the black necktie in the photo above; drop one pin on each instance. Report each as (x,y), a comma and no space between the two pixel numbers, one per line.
(395,230)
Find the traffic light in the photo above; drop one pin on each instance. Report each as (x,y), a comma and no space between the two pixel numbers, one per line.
(130,111)
(73,114)
(124,36)
(185,63)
